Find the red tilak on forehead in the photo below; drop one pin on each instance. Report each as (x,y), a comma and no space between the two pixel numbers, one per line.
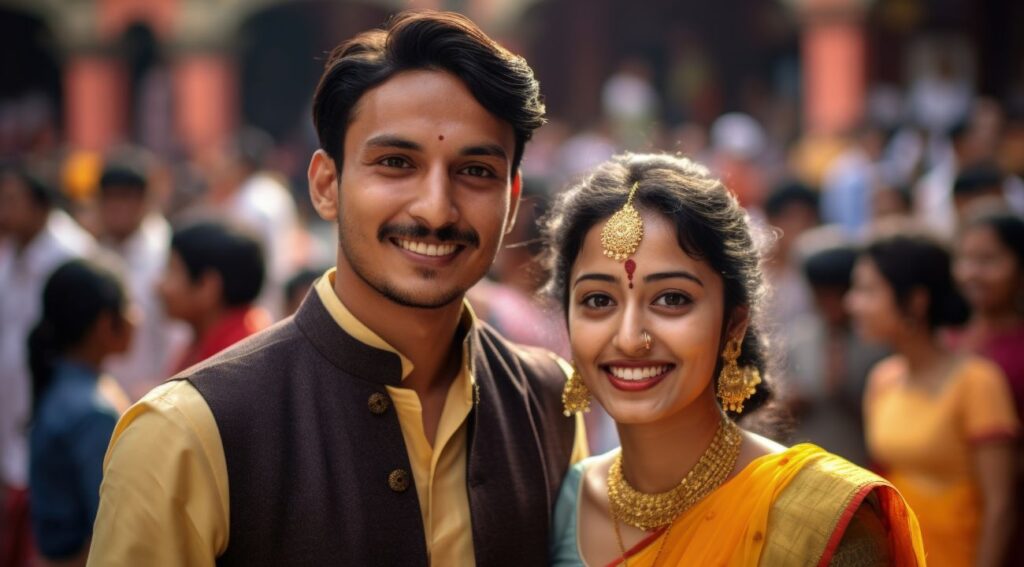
(440,137)
(630,268)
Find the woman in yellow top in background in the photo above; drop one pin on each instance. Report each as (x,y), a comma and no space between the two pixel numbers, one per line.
(661,280)
(940,424)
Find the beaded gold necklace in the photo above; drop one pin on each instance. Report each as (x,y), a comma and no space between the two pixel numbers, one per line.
(651,511)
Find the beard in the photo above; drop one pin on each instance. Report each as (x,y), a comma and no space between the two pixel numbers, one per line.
(380,283)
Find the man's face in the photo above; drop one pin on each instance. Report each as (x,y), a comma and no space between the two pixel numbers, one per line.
(19,215)
(424,194)
(121,211)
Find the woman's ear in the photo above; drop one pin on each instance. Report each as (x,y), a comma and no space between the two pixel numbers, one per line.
(739,320)
(323,185)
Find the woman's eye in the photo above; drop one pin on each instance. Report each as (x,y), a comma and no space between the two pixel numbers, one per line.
(598,301)
(394,162)
(477,171)
(673,299)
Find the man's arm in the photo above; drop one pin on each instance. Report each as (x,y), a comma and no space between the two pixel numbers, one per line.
(164,497)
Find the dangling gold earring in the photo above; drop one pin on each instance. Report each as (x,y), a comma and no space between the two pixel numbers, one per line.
(575,395)
(736,384)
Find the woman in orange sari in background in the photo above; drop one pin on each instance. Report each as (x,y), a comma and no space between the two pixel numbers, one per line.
(655,264)
(940,423)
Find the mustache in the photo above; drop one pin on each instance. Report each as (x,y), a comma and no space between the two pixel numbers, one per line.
(468,237)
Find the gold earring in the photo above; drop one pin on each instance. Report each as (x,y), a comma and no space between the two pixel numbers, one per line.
(575,395)
(736,384)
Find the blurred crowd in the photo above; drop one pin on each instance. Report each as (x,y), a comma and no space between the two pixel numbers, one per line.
(134,265)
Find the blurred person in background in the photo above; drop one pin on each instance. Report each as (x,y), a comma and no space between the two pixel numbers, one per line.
(891,203)
(244,192)
(941,425)
(84,320)
(848,185)
(738,141)
(978,187)
(37,237)
(989,269)
(141,237)
(827,362)
(214,275)
(791,209)
(297,286)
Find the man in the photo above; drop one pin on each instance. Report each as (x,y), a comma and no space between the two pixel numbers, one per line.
(213,276)
(140,237)
(382,424)
(37,238)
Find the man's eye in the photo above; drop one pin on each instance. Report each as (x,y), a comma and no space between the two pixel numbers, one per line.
(394,162)
(673,299)
(598,301)
(477,171)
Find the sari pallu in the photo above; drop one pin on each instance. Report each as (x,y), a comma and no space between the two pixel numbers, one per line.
(790,508)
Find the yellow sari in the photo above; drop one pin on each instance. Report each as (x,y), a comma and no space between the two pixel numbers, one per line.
(790,508)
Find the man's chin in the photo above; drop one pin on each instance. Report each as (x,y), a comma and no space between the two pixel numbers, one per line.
(419,300)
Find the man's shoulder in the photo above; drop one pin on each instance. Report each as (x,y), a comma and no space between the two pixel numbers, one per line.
(539,365)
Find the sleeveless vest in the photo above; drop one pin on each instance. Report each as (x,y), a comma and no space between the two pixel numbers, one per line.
(318,471)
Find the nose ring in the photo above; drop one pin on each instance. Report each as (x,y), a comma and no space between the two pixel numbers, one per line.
(647,339)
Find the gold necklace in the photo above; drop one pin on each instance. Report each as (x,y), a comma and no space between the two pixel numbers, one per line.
(651,511)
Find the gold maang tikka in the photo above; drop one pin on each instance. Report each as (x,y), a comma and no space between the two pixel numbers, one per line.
(621,235)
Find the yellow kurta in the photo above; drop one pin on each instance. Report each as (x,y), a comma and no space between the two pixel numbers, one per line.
(164,498)
(789,508)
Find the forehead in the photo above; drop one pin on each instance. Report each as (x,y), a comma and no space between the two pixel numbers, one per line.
(421,105)
(659,251)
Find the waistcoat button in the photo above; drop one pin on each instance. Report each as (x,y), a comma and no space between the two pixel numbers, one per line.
(398,480)
(379,403)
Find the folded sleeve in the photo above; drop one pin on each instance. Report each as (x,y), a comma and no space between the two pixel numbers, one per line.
(988,412)
(164,495)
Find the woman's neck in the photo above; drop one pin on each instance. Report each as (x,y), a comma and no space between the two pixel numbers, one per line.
(995,321)
(656,456)
(921,350)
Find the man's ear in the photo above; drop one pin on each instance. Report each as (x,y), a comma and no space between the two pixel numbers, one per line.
(209,288)
(514,200)
(323,185)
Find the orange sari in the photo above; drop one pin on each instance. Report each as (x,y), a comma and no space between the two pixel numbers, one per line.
(789,508)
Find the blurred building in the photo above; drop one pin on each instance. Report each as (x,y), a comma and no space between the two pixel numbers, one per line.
(180,75)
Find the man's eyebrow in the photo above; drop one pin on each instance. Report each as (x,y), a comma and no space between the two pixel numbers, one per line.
(392,141)
(493,150)
(597,277)
(669,275)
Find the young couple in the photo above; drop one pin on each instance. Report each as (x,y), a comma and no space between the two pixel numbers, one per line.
(384,425)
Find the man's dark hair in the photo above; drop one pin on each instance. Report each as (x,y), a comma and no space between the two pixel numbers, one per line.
(787,194)
(122,176)
(234,255)
(978,179)
(831,267)
(499,80)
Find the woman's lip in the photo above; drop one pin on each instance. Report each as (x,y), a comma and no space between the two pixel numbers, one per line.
(635,385)
(635,363)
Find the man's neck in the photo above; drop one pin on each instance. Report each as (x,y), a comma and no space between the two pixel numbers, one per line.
(427,337)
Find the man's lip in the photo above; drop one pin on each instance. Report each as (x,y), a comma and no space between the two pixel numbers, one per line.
(432,261)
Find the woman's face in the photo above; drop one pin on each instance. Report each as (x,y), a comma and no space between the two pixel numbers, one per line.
(676,299)
(871,303)
(987,271)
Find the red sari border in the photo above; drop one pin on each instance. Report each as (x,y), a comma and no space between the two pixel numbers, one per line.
(844,521)
(640,546)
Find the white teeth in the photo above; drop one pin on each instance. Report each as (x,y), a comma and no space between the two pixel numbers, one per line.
(629,373)
(425,249)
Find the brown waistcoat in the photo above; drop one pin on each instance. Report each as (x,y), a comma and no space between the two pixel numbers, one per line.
(311,458)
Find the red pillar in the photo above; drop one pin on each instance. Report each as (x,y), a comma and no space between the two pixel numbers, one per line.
(205,99)
(834,75)
(95,99)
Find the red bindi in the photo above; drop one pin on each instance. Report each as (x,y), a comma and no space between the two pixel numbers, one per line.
(630,268)
(440,137)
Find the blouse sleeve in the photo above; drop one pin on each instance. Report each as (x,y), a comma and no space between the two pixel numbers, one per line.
(988,412)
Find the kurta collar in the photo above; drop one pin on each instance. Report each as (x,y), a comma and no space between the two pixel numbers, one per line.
(391,365)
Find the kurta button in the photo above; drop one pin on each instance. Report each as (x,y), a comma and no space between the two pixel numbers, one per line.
(398,480)
(379,403)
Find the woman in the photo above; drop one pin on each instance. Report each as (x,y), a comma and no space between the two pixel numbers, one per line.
(941,424)
(74,410)
(655,264)
(989,270)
